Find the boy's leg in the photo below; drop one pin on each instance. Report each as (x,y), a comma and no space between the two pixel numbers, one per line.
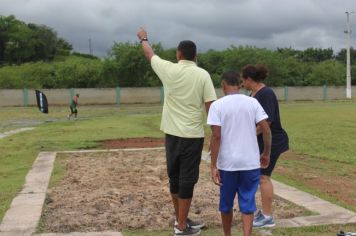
(227,196)
(226,219)
(248,182)
(247,220)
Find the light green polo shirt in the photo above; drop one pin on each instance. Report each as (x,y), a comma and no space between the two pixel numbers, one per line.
(186,88)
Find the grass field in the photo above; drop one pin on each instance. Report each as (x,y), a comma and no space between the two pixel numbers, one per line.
(322,132)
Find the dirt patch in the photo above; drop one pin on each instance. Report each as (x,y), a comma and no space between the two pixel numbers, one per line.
(332,178)
(133,143)
(128,190)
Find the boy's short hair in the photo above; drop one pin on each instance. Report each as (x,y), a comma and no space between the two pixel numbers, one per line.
(232,78)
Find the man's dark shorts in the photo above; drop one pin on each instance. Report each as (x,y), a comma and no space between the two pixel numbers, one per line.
(183,159)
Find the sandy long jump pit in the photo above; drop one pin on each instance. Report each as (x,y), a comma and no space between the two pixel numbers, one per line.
(128,189)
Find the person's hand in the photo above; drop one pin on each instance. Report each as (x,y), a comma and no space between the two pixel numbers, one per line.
(215,176)
(141,33)
(264,161)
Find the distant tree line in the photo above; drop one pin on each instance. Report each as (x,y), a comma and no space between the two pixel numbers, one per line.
(21,42)
(33,56)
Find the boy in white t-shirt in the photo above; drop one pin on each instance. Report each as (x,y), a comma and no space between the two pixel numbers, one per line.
(235,156)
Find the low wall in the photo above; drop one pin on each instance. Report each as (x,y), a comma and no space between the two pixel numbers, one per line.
(97,96)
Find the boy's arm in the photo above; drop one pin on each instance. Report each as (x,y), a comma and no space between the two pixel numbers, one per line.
(215,147)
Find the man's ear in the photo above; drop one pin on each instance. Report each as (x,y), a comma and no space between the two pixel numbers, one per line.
(178,55)
(223,85)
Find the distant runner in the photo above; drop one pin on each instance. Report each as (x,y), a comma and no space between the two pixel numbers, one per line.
(73,106)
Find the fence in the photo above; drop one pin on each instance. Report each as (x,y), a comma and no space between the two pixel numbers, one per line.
(97,96)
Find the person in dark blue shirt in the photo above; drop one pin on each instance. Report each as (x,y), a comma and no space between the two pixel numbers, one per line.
(252,79)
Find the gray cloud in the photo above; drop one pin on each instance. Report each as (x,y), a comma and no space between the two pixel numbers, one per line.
(213,24)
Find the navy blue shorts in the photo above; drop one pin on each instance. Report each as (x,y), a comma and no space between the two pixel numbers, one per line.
(245,184)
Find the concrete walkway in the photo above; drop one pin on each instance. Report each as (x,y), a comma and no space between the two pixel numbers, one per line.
(15,131)
(25,211)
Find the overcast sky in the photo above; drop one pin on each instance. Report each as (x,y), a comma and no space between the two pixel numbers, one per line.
(212,24)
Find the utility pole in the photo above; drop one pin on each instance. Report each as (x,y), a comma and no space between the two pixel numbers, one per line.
(90,48)
(348,68)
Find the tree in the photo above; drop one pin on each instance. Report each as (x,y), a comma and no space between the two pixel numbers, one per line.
(126,65)
(44,42)
(329,72)
(315,55)
(21,42)
(341,56)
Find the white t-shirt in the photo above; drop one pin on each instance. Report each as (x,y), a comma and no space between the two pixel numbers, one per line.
(237,115)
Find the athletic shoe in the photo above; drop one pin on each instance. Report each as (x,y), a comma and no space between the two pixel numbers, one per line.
(342,233)
(261,221)
(186,231)
(191,224)
(257,214)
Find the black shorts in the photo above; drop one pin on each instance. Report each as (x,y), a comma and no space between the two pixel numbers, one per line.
(73,109)
(183,159)
(272,163)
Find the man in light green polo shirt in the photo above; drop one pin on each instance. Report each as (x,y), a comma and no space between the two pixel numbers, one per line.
(188,90)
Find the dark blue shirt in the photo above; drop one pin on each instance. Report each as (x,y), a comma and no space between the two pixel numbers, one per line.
(268,100)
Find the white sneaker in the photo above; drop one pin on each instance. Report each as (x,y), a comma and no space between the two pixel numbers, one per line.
(192,224)
(186,231)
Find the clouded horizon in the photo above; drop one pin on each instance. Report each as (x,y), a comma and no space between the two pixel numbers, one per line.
(212,24)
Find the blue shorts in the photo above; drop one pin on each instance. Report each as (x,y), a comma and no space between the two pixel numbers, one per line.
(245,184)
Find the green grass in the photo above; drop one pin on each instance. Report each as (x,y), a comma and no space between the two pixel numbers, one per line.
(322,129)
(325,130)
(58,170)
(325,230)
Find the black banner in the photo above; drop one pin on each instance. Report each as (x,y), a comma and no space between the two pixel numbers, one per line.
(42,101)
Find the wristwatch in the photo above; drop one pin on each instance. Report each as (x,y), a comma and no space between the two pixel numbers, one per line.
(143,39)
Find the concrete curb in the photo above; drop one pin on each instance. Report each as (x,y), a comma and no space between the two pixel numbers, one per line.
(328,213)
(26,208)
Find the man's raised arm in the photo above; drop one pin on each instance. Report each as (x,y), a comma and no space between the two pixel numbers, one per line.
(147,49)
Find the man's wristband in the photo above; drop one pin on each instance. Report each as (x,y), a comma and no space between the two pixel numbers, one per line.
(143,39)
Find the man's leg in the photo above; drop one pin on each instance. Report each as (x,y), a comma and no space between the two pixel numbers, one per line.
(247,220)
(183,208)
(172,158)
(175,204)
(190,150)
(266,188)
(226,219)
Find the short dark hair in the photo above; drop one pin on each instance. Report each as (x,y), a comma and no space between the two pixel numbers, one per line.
(188,49)
(257,73)
(232,78)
